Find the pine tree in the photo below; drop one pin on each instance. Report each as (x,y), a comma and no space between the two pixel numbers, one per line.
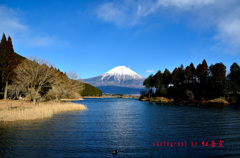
(3,48)
(234,77)
(202,71)
(149,83)
(193,70)
(157,80)
(8,62)
(166,78)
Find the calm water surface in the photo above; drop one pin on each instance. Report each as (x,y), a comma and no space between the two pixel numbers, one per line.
(126,125)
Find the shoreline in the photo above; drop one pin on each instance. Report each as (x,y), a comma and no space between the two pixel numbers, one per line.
(29,111)
(69,100)
(113,96)
(163,100)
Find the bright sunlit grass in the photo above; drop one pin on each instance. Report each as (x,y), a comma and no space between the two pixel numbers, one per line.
(37,112)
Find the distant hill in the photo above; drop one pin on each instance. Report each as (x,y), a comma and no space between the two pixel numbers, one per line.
(90,90)
(119,90)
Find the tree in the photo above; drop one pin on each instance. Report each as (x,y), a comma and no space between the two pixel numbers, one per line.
(158,83)
(219,72)
(36,76)
(193,70)
(8,62)
(188,74)
(166,78)
(65,86)
(217,79)
(157,80)
(149,84)
(234,77)
(178,76)
(202,71)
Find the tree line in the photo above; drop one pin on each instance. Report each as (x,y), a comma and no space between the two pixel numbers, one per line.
(195,83)
(34,79)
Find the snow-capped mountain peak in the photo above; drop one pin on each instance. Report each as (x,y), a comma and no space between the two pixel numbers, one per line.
(120,76)
(120,73)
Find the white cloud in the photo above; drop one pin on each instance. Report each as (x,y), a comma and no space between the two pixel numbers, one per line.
(221,15)
(150,71)
(11,24)
(184,4)
(118,13)
(229,31)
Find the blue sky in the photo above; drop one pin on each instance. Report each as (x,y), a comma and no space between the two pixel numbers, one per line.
(92,37)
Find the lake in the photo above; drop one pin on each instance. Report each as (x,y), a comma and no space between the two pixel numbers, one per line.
(134,128)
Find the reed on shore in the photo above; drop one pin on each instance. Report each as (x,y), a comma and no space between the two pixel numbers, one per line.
(31,111)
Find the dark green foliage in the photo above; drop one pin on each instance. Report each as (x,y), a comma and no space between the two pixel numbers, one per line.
(90,90)
(8,63)
(149,84)
(157,80)
(201,71)
(196,84)
(234,77)
(166,78)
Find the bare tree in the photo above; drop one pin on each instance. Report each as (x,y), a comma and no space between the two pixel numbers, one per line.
(65,86)
(72,75)
(35,76)
(74,84)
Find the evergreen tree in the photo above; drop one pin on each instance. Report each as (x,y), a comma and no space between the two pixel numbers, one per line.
(193,70)
(202,71)
(166,78)
(219,72)
(158,83)
(218,79)
(8,62)
(157,80)
(234,77)
(178,76)
(149,84)
(188,74)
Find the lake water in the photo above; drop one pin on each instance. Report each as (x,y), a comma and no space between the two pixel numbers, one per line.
(129,126)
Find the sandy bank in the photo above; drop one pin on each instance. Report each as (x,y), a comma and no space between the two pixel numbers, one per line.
(30,111)
(72,99)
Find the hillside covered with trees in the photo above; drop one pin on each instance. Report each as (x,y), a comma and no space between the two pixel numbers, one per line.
(36,79)
(90,90)
(195,83)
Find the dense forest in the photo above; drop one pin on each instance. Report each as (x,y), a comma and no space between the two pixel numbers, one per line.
(90,90)
(35,79)
(195,83)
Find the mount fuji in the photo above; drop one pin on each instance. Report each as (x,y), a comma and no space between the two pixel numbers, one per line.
(119,80)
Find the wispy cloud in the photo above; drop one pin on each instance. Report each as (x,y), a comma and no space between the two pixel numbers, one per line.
(118,13)
(150,71)
(11,24)
(221,15)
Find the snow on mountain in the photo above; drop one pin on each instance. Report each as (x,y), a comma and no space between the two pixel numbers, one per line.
(119,76)
(121,73)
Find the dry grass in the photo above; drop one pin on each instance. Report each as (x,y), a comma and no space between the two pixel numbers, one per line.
(72,99)
(44,110)
(157,99)
(218,101)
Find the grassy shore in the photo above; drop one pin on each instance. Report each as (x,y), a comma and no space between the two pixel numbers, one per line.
(29,111)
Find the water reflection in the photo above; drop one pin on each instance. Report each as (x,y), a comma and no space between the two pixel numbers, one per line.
(126,125)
